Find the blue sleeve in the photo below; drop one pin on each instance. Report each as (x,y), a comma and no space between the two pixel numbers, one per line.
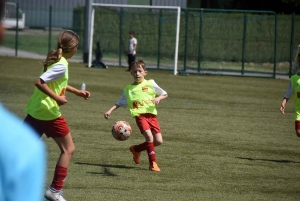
(22,160)
(290,91)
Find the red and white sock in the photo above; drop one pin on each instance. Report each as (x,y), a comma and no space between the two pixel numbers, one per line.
(59,178)
(151,152)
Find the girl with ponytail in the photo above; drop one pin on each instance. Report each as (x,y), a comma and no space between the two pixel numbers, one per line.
(43,108)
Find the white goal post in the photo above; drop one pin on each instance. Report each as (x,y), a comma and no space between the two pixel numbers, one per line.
(91,27)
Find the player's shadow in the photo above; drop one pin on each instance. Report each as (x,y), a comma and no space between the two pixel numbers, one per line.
(267,160)
(106,168)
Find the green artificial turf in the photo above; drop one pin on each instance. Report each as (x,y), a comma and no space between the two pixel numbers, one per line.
(224,137)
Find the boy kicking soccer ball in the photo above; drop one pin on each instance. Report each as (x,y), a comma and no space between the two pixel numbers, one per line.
(141,97)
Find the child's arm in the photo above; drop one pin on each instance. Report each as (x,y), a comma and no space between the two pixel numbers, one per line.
(82,93)
(283,103)
(41,85)
(161,94)
(134,49)
(159,98)
(286,97)
(108,113)
(51,75)
(121,102)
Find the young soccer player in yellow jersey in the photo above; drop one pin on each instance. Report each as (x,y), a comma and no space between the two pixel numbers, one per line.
(141,97)
(43,108)
(294,88)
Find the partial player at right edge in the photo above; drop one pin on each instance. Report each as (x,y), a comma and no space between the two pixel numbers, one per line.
(294,88)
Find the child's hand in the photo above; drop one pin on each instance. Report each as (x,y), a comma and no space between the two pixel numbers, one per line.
(282,109)
(107,114)
(61,100)
(156,100)
(85,94)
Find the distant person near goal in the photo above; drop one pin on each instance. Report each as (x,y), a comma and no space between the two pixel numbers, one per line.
(132,49)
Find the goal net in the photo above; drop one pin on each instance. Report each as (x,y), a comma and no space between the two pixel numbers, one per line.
(156,30)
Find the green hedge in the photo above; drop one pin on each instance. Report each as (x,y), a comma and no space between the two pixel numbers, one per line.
(222,34)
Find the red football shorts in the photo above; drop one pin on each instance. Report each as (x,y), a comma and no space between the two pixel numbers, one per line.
(52,128)
(147,122)
(297,125)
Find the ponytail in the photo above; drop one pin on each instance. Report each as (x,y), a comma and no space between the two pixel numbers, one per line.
(52,57)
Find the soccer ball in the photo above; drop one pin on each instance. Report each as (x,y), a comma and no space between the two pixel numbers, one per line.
(121,130)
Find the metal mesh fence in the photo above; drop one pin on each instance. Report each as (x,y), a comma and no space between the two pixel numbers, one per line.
(211,41)
(233,42)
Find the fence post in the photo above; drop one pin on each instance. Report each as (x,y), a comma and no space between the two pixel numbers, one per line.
(120,37)
(275,46)
(50,28)
(292,44)
(17,30)
(87,29)
(244,43)
(185,38)
(159,37)
(200,40)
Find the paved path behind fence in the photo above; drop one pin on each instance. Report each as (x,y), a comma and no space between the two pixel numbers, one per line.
(5,51)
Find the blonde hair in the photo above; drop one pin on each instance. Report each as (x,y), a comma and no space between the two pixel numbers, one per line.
(138,63)
(66,41)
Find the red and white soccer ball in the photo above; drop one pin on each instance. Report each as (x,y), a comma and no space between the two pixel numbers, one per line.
(121,130)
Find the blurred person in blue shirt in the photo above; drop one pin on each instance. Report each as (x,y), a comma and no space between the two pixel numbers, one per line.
(22,160)
(22,154)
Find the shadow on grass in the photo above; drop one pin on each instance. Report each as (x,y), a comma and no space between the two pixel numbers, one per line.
(105,167)
(106,172)
(267,160)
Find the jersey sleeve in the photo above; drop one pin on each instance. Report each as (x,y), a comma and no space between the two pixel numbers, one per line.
(289,92)
(122,101)
(159,91)
(53,73)
(134,41)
